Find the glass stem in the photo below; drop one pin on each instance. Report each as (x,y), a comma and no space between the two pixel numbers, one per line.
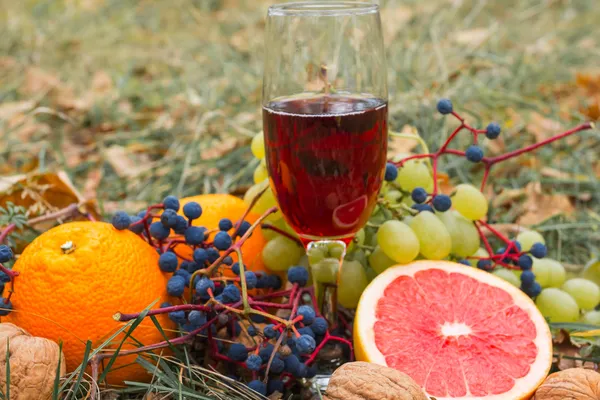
(326,258)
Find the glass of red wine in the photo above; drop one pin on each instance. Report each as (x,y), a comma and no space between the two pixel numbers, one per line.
(325,117)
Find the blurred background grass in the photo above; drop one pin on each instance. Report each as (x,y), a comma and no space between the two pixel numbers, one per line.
(137,99)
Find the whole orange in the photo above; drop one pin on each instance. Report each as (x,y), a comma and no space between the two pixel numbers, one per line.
(217,206)
(75,277)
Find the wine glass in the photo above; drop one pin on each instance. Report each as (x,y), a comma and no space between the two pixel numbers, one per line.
(325,119)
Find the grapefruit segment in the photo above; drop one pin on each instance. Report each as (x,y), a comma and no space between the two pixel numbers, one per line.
(459,332)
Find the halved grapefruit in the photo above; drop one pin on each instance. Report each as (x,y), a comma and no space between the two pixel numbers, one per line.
(459,332)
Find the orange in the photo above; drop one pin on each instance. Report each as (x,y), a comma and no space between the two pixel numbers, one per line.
(75,277)
(459,332)
(217,206)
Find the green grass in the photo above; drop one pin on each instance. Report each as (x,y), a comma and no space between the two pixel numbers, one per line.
(186,82)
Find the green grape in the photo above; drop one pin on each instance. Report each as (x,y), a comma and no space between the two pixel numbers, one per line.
(393,196)
(379,261)
(266,201)
(326,270)
(358,240)
(508,276)
(413,174)
(586,293)
(353,281)
(316,254)
(280,223)
(529,238)
(336,250)
(358,255)
(549,272)
(398,241)
(371,274)
(434,238)
(558,306)
(464,235)
(591,317)
(592,271)
(470,202)
(258,146)
(260,173)
(281,253)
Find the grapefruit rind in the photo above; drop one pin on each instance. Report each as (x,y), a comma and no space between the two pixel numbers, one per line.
(364,335)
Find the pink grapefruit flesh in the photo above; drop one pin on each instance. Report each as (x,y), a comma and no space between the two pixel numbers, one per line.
(459,332)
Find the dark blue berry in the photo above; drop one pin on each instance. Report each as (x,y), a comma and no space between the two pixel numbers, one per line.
(307,330)
(244,226)
(254,362)
(177,317)
(120,221)
(308,314)
(419,195)
(516,247)
(213,255)
(485,265)
(534,290)
(136,226)
(231,294)
(277,365)
(200,256)
(194,235)
(203,285)
(251,279)
(493,130)
(159,231)
(525,262)
(234,329)
(176,285)
(222,240)
(474,153)
(181,225)
(275,385)
(237,352)
(258,387)
(441,202)
(225,224)
(422,207)
(391,172)
(197,318)
(444,106)
(501,250)
(171,203)
(272,281)
(298,275)
(311,372)
(185,274)
(527,278)
(269,332)
(6,253)
(464,262)
(169,218)
(142,214)
(5,307)
(538,250)
(168,262)
(265,352)
(291,364)
(252,330)
(165,304)
(257,319)
(192,210)
(319,326)
(305,344)
(235,268)
(227,260)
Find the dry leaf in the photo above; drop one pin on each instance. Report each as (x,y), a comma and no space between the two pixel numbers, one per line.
(539,206)
(393,20)
(542,128)
(507,196)
(124,166)
(92,182)
(101,83)
(223,147)
(472,37)
(10,109)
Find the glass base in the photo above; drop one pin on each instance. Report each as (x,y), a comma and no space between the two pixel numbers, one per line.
(326,258)
(308,239)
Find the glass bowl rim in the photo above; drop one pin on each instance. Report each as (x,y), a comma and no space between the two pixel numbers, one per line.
(320,8)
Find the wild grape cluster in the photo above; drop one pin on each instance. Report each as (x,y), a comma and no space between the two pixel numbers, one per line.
(266,336)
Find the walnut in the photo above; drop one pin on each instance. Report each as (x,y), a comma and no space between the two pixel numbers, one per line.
(570,384)
(33,364)
(366,381)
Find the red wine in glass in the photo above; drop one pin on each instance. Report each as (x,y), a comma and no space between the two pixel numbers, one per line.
(326,161)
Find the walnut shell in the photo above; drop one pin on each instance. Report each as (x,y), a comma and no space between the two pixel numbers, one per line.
(570,384)
(33,363)
(365,381)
